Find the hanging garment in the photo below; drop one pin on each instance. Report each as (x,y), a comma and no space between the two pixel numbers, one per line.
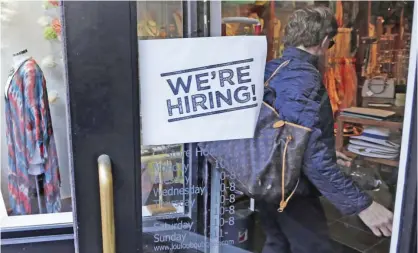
(30,138)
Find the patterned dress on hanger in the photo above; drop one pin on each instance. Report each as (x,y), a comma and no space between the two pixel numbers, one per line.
(29,134)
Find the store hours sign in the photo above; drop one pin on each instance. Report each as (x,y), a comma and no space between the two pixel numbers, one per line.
(200,89)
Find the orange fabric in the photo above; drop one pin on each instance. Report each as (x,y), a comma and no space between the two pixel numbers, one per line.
(339,14)
(340,81)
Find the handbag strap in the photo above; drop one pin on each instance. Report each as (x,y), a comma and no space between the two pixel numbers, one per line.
(324,98)
(276,71)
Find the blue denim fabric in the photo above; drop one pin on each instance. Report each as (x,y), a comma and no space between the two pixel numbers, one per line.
(299,90)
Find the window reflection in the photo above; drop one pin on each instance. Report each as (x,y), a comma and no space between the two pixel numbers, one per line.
(158,20)
(163,185)
(162,167)
(272,16)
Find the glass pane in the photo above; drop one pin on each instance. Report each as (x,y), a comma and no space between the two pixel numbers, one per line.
(172,188)
(188,205)
(163,167)
(163,180)
(160,20)
(35,168)
(363,54)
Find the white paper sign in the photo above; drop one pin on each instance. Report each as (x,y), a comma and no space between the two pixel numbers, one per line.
(201,89)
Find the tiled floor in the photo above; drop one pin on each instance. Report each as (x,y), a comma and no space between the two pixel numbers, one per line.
(341,248)
(352,237)
(383,246)
(347,238)
(351,232)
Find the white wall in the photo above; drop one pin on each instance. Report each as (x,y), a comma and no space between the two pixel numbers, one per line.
(23,31)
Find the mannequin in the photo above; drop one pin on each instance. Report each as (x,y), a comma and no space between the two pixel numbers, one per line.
(35,169)
(30,139)
(18,59)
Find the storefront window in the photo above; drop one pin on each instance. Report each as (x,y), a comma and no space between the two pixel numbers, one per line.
(35,165)
(363,58)
(186,204)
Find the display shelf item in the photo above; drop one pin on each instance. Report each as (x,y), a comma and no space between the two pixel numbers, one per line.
(393,125)
(342,120)
(389,162)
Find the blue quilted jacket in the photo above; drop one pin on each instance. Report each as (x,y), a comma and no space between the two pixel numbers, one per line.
(299,90)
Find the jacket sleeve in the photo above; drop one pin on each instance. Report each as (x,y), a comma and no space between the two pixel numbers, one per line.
(298,102)
(37,121)
(321,168)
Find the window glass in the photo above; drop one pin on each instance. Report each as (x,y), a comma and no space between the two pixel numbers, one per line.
(158,20)
(189,205)
(35,168)
(163,180)
(163,172)
(174,185)
(371,50)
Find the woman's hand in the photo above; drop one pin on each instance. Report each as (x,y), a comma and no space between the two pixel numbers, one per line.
(378,219)
(343,160)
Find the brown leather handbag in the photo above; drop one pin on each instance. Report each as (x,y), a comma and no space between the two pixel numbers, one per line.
(267,166)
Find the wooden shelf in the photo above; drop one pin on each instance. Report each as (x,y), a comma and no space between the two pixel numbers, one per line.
(370,122)
(341,120)
(389,162)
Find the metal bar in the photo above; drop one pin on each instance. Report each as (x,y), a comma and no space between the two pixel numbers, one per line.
(215,210)
(244,20)
(215,23)
(37,239)
(203,10)
(106,204)
(215,190)
(189,19)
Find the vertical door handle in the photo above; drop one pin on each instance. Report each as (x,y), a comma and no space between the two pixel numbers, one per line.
(106,203)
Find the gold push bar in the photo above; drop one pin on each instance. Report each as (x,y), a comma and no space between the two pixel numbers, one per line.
(106,204)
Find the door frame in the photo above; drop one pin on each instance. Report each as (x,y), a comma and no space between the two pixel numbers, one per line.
(103,116)
(104,113)
(404,214)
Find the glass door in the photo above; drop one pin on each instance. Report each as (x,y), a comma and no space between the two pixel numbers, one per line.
(160,193)
(163,198)
(390,26)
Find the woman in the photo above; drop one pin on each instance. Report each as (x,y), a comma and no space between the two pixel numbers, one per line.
(302,226)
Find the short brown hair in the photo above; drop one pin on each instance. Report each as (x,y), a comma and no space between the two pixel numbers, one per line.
(309,26)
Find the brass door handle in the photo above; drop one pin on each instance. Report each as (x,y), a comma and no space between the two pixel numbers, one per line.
(106,203)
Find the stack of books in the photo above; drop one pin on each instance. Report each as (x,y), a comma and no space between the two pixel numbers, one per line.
(374,142)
